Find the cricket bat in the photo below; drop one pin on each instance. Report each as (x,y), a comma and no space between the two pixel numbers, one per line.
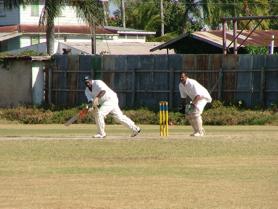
(80,115)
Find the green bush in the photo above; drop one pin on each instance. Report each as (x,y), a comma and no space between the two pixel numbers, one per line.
(142,116)
(218,114)
(257,50)
(233,116)
(28,115)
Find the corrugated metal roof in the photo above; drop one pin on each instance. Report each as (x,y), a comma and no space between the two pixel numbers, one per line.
(81,29)
(122,30)
(257,38)
(117,48)
(32,58)
(78,29)
(6,36)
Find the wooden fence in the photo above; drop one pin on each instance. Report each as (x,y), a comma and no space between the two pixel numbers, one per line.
(143,81)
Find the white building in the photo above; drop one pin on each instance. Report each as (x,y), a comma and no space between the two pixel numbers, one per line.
(19,28)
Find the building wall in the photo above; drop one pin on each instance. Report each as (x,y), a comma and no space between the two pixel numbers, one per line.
(28,40)
(67,17)
(10,17)
(15,83)
(10,44)
(23,15)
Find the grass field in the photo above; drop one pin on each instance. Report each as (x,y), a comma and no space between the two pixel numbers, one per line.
(57,167)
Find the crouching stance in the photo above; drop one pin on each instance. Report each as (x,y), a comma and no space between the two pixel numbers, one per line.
(104,101)
(199,96)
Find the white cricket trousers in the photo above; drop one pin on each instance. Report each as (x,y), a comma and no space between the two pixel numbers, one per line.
(112,106)
(195,118)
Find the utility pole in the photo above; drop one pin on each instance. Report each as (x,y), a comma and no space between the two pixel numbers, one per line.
(93,38)
(123,13)
(271,48)
(162,17)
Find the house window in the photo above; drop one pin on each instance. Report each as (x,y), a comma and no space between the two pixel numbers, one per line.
(35,40)
(35,8)
(131,37)
(2,9)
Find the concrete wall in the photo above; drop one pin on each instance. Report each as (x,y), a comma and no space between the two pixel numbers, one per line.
(15,83)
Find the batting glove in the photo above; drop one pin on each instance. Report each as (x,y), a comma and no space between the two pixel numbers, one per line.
(189,108)
(90,109)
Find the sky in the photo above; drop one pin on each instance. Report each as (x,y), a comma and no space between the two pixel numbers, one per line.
(112,8)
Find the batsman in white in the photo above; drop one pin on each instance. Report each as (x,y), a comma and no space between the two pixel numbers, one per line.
(199,98)
(104,100)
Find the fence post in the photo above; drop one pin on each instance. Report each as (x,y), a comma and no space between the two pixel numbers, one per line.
(262,89)
(220,82)
(49,85)
(171,86)
(47,82)
(133,87)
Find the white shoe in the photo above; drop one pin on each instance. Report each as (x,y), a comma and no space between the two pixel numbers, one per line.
(193,133)
(135,132)
(99,136)
(198,134)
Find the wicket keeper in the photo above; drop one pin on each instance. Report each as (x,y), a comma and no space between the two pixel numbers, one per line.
(199,96)
(104,101)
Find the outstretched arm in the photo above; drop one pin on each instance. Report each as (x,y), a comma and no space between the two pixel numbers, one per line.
(98,96)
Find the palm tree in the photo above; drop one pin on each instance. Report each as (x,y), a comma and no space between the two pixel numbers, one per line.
(121,5)
(273,10)
(216,9)
(144,15)
(88,10)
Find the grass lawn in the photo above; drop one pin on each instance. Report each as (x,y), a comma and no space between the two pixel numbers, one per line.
(57,167)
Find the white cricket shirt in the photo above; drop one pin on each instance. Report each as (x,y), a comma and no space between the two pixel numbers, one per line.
(192,88)
(97,86)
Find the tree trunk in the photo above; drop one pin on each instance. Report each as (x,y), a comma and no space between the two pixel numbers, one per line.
(50,38)
(105,12)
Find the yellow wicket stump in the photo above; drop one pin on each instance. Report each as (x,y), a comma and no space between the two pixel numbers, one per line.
(163,118)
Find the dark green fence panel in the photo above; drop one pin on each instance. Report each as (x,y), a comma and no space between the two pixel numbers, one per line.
(143,81)
(271,80)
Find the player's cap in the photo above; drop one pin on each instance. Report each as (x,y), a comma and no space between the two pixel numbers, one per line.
(86,78)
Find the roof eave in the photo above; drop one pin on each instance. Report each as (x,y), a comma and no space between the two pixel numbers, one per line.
(208,41)
(136,32)
(164,45)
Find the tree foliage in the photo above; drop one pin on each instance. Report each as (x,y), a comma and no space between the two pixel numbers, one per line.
(191,15)
(180,16)
(237,8)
